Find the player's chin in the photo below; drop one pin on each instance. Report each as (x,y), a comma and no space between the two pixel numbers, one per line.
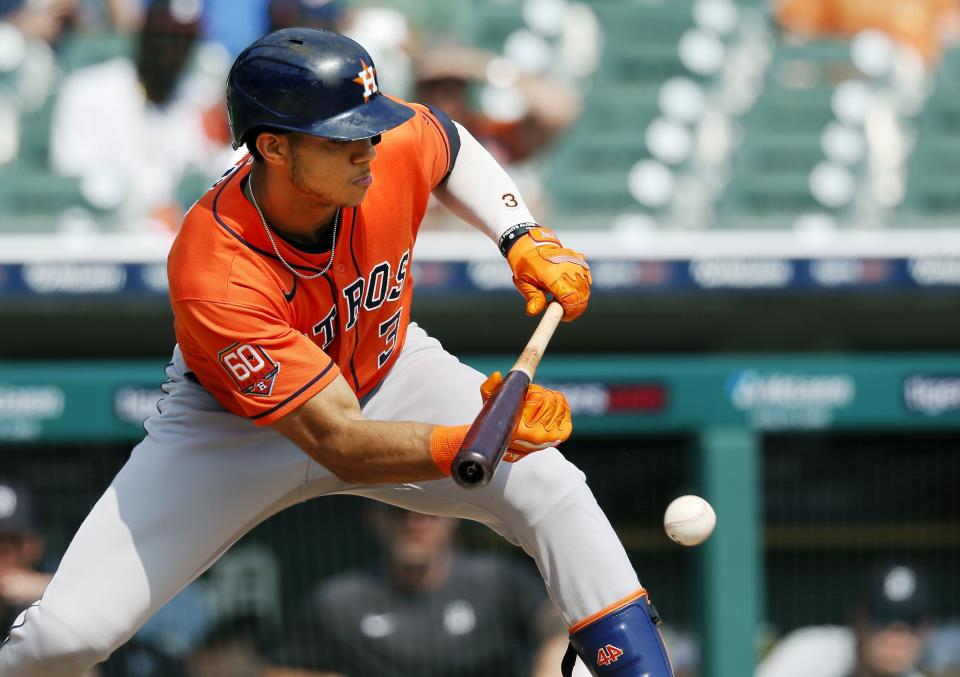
(356,195)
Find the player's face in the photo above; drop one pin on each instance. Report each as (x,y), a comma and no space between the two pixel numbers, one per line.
(332,172)
(13,551)
(890,650)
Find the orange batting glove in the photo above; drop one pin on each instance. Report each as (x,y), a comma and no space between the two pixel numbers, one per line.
(545,420)
(541,264)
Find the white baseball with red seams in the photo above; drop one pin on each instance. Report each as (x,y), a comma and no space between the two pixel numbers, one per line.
(689,520)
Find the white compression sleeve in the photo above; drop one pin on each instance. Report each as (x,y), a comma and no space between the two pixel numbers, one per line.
(480,192)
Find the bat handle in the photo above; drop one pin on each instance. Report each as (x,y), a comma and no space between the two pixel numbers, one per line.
(489,434)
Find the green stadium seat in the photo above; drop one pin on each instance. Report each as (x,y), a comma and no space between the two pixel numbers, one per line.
(31,190)
(587,153)
(771,167)
(86,49)
(192,187)
(756,199)
(793,111)
(628,23)
(588,173)
(772,152)
(494,21)
(932,182)
(590,168)
(937,153)
(941,113)
(635,64)
(26,193)
(598,193)
(949,71)
(35,136)
(930,196)
(609,108)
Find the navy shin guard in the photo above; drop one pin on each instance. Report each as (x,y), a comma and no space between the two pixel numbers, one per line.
(624,642)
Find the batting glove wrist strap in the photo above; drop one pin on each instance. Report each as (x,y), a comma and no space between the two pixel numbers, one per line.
(513,233)
(542,265)
(445,442)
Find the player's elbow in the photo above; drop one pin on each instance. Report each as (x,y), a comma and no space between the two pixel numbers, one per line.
(339,465)
(333,450)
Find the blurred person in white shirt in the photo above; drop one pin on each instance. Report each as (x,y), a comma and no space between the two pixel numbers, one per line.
(131,129)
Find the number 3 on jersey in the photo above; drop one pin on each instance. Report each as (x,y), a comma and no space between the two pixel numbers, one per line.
(251,368)
(388,332)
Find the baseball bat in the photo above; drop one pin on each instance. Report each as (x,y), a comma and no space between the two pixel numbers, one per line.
(489,434)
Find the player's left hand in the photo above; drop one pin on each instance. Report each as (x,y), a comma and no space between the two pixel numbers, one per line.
(541,264)
(544,422)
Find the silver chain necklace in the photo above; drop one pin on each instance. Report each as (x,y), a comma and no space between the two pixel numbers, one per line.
(276,250)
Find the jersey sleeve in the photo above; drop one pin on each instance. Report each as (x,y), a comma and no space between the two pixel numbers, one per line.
(254,363)
(439,142)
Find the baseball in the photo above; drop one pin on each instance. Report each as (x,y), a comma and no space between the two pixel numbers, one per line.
(689,520)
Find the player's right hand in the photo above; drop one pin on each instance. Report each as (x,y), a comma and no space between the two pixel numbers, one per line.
(544,422)
(541,266)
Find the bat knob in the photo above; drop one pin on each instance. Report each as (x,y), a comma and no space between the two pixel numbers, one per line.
(469,472)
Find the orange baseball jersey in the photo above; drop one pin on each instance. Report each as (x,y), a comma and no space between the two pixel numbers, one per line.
(263,341)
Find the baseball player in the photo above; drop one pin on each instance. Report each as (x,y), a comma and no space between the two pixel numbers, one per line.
(298,373)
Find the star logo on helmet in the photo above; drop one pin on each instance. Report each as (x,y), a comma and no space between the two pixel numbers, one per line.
(368,79)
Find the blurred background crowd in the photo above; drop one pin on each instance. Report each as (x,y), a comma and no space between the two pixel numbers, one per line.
(802,114)
(625,117)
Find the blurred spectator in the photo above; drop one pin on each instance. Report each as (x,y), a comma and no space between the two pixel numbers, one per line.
(125,16)
(515,115)
(942,657)
(923,24)
(218,626)
(234,24)
(22,584)
(232,648)
(515,128)
(44,21)
(21,551)
(885,638)
(133,129)
(29,32)
(326,14)
(140,659)
(428,610)
(47,20)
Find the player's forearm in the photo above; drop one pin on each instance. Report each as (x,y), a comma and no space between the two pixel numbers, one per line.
(330,428)
(480,192)
(363,451)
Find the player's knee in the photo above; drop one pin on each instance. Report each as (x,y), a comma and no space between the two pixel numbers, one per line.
(624,641)
(546,480)
(42,643)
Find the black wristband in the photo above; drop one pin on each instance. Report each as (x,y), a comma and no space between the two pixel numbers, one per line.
(514,233)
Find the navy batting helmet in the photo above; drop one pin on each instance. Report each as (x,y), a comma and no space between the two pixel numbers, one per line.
(312,81)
